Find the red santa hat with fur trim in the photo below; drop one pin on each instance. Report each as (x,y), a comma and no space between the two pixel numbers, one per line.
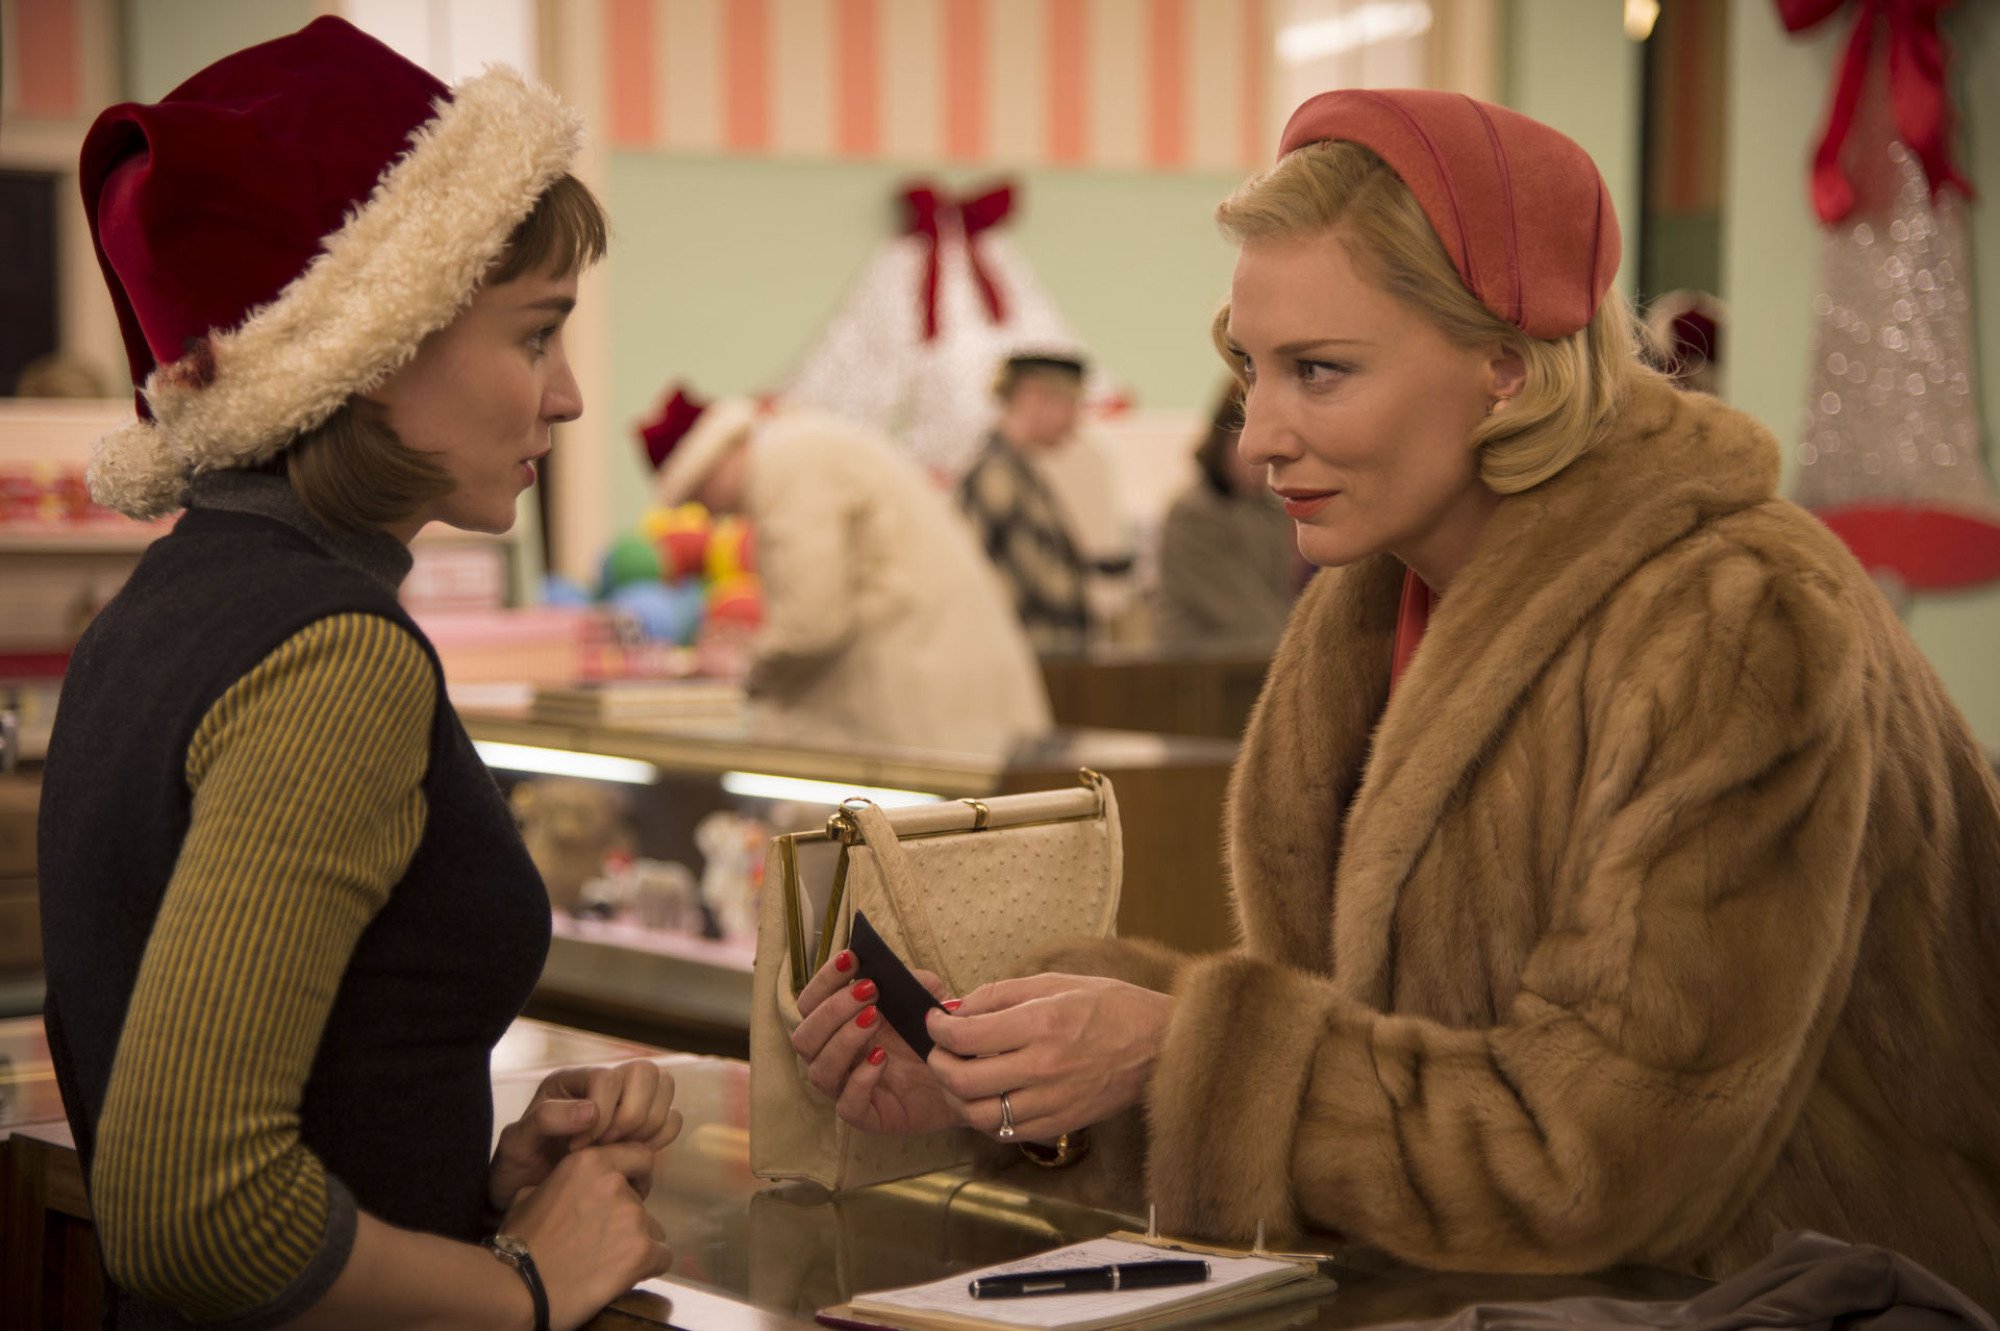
(282,230)
(688,439)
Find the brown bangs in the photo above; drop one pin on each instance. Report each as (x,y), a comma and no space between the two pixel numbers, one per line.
(565,233)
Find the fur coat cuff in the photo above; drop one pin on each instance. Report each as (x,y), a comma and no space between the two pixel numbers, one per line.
(1225,1096)
(1139,961)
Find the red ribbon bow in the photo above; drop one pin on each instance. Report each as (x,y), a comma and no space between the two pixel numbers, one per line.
(1916,90)
(925,210)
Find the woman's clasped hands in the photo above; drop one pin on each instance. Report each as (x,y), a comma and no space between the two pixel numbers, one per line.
(1065,1051)
(572,1174)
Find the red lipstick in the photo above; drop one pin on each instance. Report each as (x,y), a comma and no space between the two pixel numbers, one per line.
(1302,504)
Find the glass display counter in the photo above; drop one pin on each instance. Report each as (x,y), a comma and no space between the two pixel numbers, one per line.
(689,986)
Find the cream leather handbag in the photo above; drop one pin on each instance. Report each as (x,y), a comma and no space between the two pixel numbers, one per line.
(969,889)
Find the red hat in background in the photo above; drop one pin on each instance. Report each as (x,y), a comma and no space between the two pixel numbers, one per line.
(282,230)
(1688,325)
(688,437)
(664,432)
(1520,208)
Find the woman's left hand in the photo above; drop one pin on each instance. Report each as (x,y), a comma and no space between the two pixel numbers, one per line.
(578,1107)
(1067,1050)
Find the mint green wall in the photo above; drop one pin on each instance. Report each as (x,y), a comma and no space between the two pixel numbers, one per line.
(1771,243)
(164,41)
(1570,65)
(725,270)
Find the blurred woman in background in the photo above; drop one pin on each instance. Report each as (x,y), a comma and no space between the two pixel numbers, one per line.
(1229,564)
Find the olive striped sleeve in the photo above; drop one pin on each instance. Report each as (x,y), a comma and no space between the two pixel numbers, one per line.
(307,807)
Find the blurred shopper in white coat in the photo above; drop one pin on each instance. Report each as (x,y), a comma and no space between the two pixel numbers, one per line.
(881,617)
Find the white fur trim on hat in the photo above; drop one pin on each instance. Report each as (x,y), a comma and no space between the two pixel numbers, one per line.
(702,448)
(401,267)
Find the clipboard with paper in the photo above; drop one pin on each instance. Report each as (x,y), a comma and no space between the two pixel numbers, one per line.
(1241,1283)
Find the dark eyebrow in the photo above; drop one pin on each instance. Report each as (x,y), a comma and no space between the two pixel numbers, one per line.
(554,304)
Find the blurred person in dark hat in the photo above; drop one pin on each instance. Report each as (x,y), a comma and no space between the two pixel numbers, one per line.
(1017,515)
(286,914)
(1615,881)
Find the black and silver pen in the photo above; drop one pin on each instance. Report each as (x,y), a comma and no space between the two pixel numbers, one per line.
(1091,1279)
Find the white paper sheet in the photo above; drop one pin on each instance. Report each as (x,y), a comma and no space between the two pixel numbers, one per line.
(952,1295)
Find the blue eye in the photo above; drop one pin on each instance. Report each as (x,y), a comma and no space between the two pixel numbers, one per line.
(1316,373)
(538,341)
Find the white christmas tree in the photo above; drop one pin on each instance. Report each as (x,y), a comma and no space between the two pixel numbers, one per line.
(914,347)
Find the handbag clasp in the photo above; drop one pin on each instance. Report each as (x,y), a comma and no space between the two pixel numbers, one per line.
(841,825)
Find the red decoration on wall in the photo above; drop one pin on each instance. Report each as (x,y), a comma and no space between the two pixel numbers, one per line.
(928,212)
(1916,89)
(1929,549)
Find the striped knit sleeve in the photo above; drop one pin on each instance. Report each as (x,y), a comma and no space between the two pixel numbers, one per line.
(308,805)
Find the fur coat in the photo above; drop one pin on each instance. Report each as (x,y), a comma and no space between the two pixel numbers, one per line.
(1656,913)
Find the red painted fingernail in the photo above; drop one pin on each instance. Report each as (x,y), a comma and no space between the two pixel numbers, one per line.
(843,962)
(863,990)
(951,1004)
(866,1019)
(877,1054)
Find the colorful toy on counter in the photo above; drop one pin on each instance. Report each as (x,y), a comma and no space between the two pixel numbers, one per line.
(731,552)
(665,612)
(631,558)
(680,570)
(681,536)
(739,601)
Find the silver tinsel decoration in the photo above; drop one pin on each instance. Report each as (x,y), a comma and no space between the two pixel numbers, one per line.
(1891,415)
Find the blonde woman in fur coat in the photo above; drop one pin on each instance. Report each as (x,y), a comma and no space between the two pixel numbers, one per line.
(1614,880)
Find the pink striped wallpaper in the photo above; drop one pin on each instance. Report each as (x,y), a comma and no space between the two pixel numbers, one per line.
(1158,84)
(43,51)
(1068,117)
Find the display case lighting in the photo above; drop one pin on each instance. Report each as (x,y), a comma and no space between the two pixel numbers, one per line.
(565,762)
(762,785)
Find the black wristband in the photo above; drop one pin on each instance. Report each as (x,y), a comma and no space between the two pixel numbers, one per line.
(515,1254)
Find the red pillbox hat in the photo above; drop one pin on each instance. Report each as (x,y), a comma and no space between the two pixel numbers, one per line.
(1520,208)
(283,229)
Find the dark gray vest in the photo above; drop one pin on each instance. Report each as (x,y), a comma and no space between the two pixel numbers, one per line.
(399,1102)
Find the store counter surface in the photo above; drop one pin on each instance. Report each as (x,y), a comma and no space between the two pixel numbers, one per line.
(748,1256)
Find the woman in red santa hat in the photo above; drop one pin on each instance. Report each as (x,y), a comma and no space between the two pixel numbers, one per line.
(1615,880)
(287,915)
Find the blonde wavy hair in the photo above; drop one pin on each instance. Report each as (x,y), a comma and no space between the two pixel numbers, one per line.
(1574,384)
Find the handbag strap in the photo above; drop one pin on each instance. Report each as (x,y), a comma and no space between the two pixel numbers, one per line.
(913,919)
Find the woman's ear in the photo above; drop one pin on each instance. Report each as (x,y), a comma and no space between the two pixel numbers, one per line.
(1506,371)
